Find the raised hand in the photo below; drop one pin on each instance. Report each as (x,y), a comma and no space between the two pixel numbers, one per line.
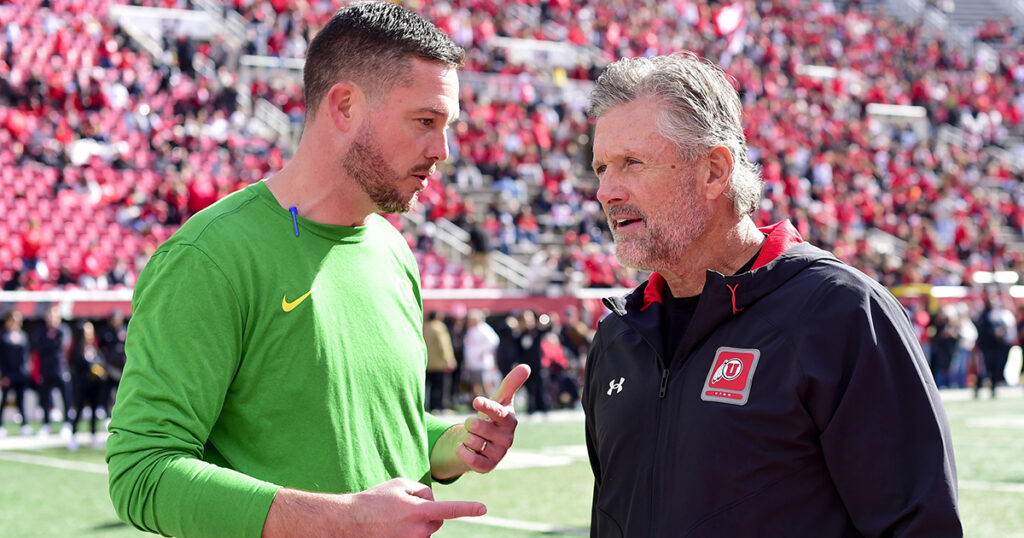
(489,434)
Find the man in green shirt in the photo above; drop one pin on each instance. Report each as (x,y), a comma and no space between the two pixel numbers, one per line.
(275,357)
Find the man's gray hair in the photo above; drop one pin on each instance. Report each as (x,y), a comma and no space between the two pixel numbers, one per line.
(701,110)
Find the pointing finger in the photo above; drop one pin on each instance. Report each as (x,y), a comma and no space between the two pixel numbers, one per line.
(506,393)
(453,509)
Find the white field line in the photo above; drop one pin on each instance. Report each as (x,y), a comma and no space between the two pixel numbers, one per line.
(55,463)
(51,440)
(515,459)
(553,456)
(1004,421)
(1007,487)
(491,521)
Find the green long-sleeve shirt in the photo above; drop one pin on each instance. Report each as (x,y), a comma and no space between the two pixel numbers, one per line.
(259,359)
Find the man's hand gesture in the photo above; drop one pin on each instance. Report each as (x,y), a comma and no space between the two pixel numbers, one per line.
(482,441)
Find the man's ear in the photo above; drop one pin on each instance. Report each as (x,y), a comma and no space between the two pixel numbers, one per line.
(719,172)
(343,104)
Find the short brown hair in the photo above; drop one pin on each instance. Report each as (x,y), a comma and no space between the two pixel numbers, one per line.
(371,44)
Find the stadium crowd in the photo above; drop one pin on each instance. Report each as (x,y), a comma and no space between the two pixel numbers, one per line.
(828,164)
(108,149)
(105,149)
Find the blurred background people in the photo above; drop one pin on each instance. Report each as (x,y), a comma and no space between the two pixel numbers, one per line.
(50,344)
(89,375)
(945,336)
(14,368)
(111,337)
(997,330)
(440,361)
(479,366)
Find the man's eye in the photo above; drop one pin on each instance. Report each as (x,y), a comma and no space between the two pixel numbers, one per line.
(600,169)
(427,122)
(632,162)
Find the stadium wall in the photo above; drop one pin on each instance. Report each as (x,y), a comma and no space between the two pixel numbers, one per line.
(97,304)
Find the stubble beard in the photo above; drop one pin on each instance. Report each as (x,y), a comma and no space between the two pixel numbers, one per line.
(670,229)
(364,161)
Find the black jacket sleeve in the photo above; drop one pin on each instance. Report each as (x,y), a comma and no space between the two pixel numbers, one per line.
(884,433)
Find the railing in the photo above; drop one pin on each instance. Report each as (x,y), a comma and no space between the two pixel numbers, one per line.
(885,243)
(905,10)
(267,66)
(959,137)
(502,265)
(276,120)
(253,67)
(509,87)
(1017,7)
(454,244)
(451,243)
(147,43)
(232,25)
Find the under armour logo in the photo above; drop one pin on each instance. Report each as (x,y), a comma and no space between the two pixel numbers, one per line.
(615,385)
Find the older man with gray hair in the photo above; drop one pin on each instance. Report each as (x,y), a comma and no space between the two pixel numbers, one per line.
(754,385)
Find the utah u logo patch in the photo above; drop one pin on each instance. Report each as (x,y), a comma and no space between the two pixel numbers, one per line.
(730,376)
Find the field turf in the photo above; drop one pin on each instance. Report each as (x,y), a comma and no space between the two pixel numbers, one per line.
(543,489)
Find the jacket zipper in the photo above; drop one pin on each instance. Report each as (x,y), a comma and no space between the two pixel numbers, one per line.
(662,389)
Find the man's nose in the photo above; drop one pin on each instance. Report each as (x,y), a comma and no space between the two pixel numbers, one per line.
(437,151)
(611,191)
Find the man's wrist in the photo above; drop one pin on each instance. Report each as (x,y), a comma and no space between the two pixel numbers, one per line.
(298,513)
(445,464)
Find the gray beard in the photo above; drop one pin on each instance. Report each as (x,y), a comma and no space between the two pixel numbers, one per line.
(670,231)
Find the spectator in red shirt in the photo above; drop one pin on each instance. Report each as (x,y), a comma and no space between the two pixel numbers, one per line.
(32,245)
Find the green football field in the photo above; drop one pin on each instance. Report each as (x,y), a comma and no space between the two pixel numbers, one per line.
(542,489)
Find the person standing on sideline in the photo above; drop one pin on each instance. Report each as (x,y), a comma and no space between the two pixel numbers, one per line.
(754,385)
(456,323)
(14,367)
(440,360)
(112,335)
(480,345)
(89,373)
(538,387)
(997,329)
(51,342)
(962,370)
(510,348)
(945,333)
(275,356)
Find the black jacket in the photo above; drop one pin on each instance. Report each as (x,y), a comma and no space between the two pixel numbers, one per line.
(799,403)
(14,356)
(52,346)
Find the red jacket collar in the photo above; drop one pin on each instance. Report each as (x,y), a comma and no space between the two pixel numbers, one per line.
(781,237)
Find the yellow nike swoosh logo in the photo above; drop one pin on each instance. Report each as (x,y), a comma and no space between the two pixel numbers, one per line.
(289,306)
